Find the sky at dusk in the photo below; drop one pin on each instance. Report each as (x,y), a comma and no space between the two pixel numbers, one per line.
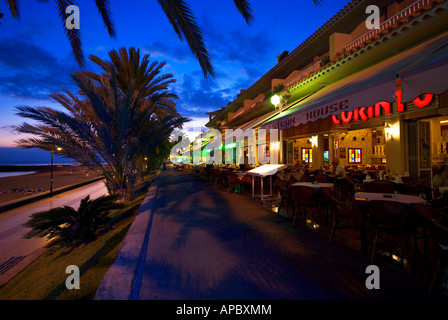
(36,57)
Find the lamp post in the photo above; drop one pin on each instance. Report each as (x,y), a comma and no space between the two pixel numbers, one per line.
(276,100)
(280,100)
(51,175)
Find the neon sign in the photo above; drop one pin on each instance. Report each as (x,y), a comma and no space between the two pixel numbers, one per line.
(365,113)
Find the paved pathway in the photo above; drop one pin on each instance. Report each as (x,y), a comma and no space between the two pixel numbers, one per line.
(206,243)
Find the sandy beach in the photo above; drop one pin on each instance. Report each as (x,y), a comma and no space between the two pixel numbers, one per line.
(17,187)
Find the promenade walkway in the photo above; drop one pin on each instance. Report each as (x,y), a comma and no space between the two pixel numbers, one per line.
(202,242)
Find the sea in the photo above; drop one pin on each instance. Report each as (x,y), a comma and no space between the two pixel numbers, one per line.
(11,157)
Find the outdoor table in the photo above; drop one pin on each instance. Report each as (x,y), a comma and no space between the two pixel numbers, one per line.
(287,175)
(314,185)
(264,171)
(403,198)
(363,198)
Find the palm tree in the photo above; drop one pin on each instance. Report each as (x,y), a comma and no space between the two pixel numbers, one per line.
(111,127)
(141,75)
(178,13)
(69,227)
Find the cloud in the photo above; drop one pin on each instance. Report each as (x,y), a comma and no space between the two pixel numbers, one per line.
(9,129)
(199,95)
(177,52)
(29,71)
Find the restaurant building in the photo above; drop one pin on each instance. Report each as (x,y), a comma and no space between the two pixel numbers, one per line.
(358,96)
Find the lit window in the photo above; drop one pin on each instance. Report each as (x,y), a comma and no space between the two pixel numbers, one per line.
(307,155)
(354,155)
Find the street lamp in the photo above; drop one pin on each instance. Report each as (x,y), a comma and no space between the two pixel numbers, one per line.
(51,176)
(278,100)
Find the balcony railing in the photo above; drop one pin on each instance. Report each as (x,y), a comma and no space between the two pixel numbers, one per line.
(302,75)
(408,11)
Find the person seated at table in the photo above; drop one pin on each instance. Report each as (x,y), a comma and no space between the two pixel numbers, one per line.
(341,176)
(297,167)
(440,179)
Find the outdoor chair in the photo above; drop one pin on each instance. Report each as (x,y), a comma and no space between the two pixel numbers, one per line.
(282,187)
(428,193)
(215,173)
(437,224)
(346,189)
(379,186)
(388,220)
(303,198)
(234,182)
(321,178)
(292,180)
(222,178)
(247,181)
(406,180)
(341,212)
(414,187)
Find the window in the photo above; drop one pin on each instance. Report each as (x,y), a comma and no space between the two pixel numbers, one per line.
(326,156)
(307,155)
(354,155)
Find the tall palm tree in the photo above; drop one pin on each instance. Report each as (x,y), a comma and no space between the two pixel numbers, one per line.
(178,13)
(141,75)
(110,127)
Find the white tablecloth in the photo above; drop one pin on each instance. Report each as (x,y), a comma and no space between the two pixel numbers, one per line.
(314,185)
(403,198)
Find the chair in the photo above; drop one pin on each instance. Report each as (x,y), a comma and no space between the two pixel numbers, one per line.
(406,180)
(414,187)
(247,180)
(305,198)
(379,186)
(234,182)
(222,178)
(292,180)
(341,212)
(282,187)
(389,219)
(321,178)
(346,189)
(215,173)
(437,224)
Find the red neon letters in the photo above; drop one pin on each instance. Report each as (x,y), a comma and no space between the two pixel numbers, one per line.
(375,110)
(423,102)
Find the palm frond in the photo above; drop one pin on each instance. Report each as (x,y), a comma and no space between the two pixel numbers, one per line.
(244,8)
(73,35)
(105,12)
(182,19)
(13,8)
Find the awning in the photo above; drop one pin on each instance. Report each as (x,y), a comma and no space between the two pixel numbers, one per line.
(428,75)
(362,89)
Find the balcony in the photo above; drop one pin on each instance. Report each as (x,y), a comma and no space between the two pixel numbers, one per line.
(390,23)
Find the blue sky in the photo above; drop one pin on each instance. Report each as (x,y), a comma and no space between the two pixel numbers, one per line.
(36,57)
